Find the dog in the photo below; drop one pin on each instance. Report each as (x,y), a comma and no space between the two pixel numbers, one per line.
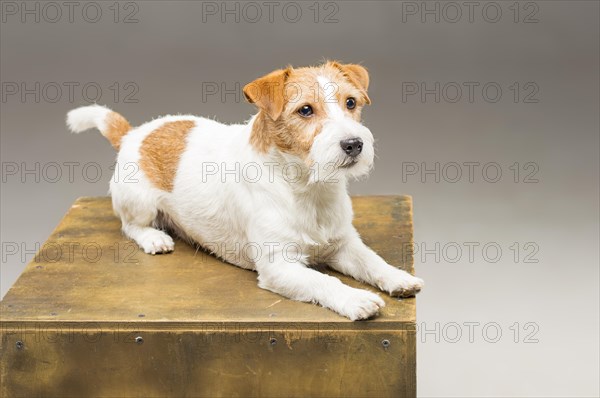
(269,195)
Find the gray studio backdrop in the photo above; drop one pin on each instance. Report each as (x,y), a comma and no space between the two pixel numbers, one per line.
(485,112)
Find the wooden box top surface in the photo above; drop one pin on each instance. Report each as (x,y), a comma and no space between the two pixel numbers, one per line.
(88,271)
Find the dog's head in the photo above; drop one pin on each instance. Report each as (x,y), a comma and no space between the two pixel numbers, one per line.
(314,115)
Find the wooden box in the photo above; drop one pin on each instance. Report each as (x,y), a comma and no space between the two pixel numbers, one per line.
(92,315)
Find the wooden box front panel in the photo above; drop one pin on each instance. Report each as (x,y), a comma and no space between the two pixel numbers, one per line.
(208,362)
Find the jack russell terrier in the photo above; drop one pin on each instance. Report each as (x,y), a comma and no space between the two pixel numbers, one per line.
(269,195)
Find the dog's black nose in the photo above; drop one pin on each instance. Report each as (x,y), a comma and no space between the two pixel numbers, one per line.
(352,147)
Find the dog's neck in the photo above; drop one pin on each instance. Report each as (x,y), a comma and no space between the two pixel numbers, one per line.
(266,133)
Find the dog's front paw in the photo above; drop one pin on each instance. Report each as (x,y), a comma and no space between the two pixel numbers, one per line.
(157,242)
(361,304)
(405,285)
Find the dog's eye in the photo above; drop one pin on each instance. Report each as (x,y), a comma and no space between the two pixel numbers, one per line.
(351,103)
(305,111)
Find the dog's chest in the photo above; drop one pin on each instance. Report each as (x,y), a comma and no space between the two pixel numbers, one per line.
(320,222)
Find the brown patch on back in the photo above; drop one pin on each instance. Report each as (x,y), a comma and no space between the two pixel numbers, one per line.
(116,128)
(161,150)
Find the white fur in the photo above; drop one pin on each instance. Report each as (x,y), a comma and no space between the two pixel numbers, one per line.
(275,224)
(87,117)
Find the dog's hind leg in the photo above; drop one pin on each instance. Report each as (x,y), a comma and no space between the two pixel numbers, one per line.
(137,218)
(151,240)
(133,199)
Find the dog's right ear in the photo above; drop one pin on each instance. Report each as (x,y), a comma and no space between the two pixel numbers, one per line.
(357,74)
(267,92)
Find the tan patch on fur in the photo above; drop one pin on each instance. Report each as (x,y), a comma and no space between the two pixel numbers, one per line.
(260,137)
(116,128)
(161,150)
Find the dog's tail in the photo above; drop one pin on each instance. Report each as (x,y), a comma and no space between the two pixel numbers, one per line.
(112,125)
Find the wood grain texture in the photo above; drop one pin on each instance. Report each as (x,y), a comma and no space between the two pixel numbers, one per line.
(207,329)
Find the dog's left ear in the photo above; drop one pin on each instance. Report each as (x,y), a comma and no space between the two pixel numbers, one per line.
(357,74)
(267,92)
